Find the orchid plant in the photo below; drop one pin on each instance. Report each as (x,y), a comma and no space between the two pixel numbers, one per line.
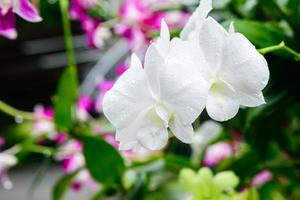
(140,136)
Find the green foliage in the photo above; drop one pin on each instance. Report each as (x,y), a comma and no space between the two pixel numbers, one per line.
(67,93)
(103,161)
(62,186)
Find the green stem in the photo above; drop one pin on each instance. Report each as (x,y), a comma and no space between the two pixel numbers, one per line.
(39,149)
(278,47)
(7,109)
(64,5)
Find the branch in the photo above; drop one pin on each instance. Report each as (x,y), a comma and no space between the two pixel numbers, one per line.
(9,110)
(278,47)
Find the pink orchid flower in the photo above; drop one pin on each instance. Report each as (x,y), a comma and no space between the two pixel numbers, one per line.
(44,124)
(8,10)
(83,107)
(261,178)
(217,153)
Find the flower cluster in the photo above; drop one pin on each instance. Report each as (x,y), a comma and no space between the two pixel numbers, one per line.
(207,67)
(8,11)
(134,21)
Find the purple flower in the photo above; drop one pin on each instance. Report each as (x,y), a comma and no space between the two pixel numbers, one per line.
(261,178)
(83,107)
(8,10)
(217,153)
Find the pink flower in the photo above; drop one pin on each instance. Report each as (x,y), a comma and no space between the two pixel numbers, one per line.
(2,141)
(83,107)
(261,178)
(70,154)
(44,124)
(121,69)
(217,153)
(103,86)
(109,138)
(83,178)
(60,138)
(73,162)
(8,10)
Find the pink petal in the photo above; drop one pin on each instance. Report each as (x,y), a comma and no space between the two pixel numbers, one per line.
(7,24)
(26,10)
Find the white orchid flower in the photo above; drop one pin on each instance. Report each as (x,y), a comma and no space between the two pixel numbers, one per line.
(145,103)
(235,72)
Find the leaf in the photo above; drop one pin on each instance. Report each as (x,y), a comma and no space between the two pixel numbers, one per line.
(62,185)
(262,34)
(103,161)
(65,100)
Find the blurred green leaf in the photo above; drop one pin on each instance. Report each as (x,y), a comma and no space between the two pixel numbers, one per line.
(103,161)
(62,186)
(262,34)
(65,100)
(139,191)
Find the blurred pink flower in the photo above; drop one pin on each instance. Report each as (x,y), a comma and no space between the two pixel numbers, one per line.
(121,69)
(261,178)
(8,10)
(2,141)
(216,153)
(103,86)
(44,124)
(139,18)
(111,140)
(83,178)
(60,138)
(83,107)
(70,154)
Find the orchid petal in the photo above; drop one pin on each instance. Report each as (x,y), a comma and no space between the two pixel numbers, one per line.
(251,100)
(212,39)
(196,19)
(183,132)
(26,10)
(128,97)
(244,68)
(7,25)
(152,137)
(222,102)
(163,42)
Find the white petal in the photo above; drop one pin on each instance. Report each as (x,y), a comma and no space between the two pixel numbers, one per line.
(163,42)
(196,20)
(183,132)
(153,138)
(244,68)
(212,37)
(222,103)
(231,28)
(251,100)
(183,90)
(129,96)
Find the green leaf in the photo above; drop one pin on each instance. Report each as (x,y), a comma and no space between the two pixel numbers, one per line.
(262,34)
(65,100)
(62,186)
(103,161)
(139,190)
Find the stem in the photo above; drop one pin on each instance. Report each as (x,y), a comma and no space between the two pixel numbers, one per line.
(39,149)
(278,47)
(64,5)
(7,109)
